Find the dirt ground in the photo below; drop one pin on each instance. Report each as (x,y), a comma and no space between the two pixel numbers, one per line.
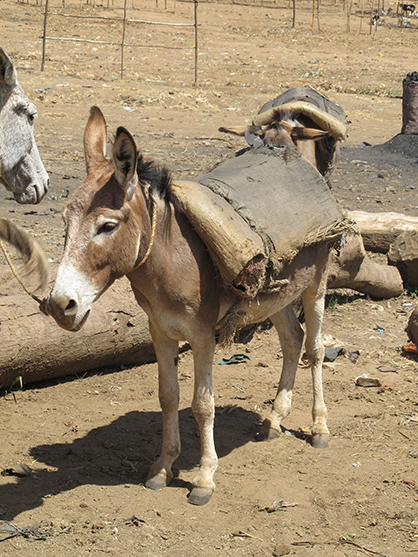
(90,439)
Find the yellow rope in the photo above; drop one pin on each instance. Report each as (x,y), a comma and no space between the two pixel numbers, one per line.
(153,228)
(22,284)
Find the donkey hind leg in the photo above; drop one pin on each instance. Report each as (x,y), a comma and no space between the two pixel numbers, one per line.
(166,350)
(291,340)
(314,303)
(203,407)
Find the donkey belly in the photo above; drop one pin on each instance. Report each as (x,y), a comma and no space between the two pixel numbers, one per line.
(305,271)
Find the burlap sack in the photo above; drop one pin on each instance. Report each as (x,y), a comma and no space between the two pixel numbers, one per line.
(257,211)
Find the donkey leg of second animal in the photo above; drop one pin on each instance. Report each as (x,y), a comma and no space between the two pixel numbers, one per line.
(167,352)
(203,407)
(291,340)
(314,307)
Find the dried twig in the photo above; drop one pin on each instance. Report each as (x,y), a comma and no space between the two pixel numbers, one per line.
(403,434)
(277,505)
(341,542)
(242,534)
(33,533)
(365,549)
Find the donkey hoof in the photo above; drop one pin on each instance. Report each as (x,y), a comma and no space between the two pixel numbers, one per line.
(267,432)
(320,440)
(156,482)
(200,496)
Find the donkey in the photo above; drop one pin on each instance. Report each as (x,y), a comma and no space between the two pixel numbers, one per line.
(21,168)
(304,118)
(125,220)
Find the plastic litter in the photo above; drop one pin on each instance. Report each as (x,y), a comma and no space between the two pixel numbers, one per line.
(235,359)
(331,354)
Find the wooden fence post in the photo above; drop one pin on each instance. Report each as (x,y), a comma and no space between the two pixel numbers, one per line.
(44,36)
(371,16)
(362,15)
(315,12)
(195,41)
(123,39)
(349,9)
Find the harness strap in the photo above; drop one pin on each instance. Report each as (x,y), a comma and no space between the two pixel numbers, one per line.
(153,228)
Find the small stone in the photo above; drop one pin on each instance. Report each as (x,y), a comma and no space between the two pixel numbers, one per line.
(281,549)
(387,369)
(366,381)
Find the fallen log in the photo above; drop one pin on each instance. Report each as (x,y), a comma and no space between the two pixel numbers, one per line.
(350,267)
(403,253)
(34,348)
(380,230)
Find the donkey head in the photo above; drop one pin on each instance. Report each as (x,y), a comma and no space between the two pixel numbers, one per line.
(21,168)
(106,221)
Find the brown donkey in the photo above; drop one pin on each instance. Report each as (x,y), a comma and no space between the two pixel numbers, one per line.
(124,220)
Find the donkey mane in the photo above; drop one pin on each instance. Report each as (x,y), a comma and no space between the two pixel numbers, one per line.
(156,175)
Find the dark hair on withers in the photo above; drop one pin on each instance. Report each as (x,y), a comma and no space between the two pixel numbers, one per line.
(157,175)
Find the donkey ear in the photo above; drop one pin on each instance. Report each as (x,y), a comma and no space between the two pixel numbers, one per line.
(7,70)
(95,139)
(239,130)
(309,133)
(125,158)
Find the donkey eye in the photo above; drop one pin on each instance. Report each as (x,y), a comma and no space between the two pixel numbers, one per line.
(107,227)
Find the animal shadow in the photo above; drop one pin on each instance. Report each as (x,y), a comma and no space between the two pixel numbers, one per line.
(120,453)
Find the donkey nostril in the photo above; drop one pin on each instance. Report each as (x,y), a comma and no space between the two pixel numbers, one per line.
(71,305)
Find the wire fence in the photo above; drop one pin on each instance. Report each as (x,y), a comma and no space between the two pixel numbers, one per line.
(124,21)
(113,18)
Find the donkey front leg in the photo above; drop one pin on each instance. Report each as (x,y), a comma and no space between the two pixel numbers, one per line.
(167,352)
(314,305)
(291,340)
(203,407)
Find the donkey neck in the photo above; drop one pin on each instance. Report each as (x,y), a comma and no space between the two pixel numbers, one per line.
(178,266)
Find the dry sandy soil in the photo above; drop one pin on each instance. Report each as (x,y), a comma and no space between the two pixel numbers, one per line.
(91,439)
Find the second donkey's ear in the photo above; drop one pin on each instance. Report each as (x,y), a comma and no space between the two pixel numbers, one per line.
(125,158)
(7,70)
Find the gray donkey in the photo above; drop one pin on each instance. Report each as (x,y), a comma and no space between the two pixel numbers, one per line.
(21,168)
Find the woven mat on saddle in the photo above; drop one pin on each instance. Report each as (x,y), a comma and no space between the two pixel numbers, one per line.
(257,211)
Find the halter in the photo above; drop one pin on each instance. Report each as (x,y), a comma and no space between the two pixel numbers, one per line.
(153,228)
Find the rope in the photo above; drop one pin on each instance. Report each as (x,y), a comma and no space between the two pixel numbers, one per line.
(153,228)
(20,281)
